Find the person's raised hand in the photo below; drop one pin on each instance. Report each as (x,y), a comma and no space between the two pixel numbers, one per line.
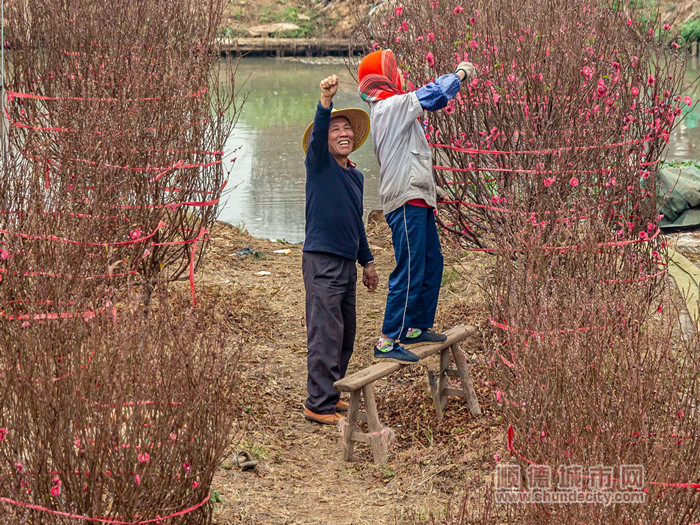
(465,70)
(329,87)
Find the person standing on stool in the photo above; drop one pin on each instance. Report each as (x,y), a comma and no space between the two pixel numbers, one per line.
(409,196)
(335,240)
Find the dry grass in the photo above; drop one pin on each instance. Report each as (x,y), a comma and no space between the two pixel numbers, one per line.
(301,477)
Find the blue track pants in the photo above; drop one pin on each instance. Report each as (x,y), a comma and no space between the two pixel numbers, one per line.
(414,285)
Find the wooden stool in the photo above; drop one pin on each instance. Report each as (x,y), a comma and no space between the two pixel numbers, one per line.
(361,387)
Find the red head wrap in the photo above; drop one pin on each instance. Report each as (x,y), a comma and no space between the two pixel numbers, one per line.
(379,76)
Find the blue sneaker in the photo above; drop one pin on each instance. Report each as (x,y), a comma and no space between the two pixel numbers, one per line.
(396,353)
(416,335)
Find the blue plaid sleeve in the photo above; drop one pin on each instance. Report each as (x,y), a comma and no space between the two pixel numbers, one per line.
(437,94)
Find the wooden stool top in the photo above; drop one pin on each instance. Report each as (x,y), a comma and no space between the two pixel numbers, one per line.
(377,371)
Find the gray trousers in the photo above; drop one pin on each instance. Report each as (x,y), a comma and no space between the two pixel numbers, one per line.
(331,285)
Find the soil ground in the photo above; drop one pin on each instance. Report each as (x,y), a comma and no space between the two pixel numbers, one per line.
(301,477)
(337,19)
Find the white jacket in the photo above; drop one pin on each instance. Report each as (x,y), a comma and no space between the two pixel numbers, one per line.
(405,161)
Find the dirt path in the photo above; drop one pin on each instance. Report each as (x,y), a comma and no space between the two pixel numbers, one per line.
(301,477)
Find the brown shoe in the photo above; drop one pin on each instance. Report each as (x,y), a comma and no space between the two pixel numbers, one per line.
(324,419)
(342,406)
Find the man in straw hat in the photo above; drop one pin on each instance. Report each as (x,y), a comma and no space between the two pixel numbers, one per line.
(335,239)
(409,197)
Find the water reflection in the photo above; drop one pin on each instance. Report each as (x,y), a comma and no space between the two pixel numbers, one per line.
(685,139)
(268,177)
(269,174)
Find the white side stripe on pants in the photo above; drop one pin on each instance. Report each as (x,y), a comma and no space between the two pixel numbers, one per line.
(408,286)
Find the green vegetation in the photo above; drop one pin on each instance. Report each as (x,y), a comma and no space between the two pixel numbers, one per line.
(256,450)
(690,31)
(307,25)
(634,4)
(675,164)
(229,32)
(215,496)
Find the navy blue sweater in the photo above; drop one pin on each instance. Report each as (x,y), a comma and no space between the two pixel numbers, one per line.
(333,199)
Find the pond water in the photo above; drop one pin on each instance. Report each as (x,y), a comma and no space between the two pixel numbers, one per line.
(266,187)
(268,176)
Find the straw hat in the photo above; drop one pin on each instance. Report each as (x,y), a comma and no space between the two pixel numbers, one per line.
(359,122)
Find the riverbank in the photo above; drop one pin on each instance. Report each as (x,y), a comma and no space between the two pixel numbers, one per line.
(333,20)
(284,47)
(301,477)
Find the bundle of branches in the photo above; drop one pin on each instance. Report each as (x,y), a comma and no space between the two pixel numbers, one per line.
(611,395)
(112,173)
(122,113)
(123,418)
(568,117)
(551,156)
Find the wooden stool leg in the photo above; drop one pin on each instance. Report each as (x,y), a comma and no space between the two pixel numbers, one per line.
(443,383)
(379,445)
(465,376)
(348,441)
(433,382)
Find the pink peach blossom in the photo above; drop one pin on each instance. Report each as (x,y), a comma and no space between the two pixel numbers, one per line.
(587,72)
(602,88)
(573,181)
